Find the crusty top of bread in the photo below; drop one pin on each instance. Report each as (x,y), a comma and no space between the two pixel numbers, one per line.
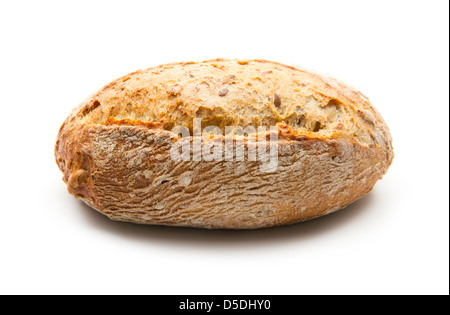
(237,93)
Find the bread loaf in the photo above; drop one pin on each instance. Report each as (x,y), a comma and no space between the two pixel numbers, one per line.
(122,151)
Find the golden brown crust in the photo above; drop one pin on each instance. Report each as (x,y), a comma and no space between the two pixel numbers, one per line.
(113,150)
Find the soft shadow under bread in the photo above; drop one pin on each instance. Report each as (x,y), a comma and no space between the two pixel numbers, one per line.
(202,237)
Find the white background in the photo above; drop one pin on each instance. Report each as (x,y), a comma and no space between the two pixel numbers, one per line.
(393,241)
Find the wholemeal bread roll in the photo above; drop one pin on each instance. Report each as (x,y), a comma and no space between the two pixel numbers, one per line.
(116,150)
